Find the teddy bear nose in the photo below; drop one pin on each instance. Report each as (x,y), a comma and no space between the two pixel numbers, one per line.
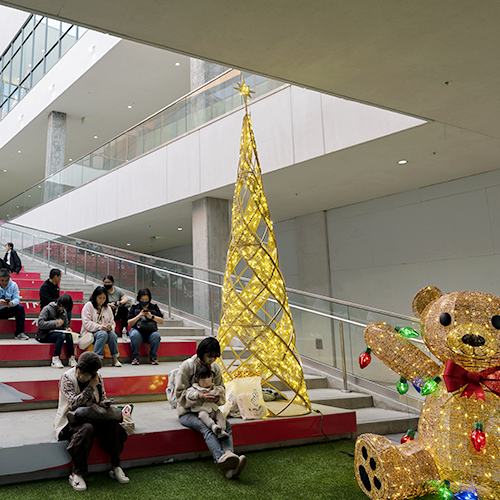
(473,340)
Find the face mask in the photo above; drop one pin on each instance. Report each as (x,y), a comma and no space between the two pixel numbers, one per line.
(108,287)
(144,304)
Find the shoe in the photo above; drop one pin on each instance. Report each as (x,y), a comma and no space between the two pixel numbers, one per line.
(77,482)
(72,362)
(135,361)
(154,362)
(21,336)
(119,475)
(116,362)
(228,461)
(235,473)
(216,429)
(56,362)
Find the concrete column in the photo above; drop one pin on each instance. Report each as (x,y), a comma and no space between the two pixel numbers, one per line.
(316,335)
(56,142)
(210,222)
(56,148)
(201,73)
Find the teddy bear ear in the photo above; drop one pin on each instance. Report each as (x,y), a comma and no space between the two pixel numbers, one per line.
(423,298)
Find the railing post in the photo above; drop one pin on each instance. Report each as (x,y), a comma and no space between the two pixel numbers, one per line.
(211,310)
(33,247)
(22,242)
(108,264)
(85,266)
(169,297)
(48,254)
(342,346)
(65,259)
(135,278)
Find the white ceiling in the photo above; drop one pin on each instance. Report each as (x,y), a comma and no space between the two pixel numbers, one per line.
(434,60)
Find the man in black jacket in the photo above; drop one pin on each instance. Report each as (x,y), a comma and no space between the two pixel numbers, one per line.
(11,260)
(49,291)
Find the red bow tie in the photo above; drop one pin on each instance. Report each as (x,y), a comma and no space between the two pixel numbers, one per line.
(456,377)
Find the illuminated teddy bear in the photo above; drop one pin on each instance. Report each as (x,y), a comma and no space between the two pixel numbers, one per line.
(462,331)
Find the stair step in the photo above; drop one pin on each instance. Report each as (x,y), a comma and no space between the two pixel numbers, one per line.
(27,353)
(180,331)
(382,421)
(312,382)
(339,399)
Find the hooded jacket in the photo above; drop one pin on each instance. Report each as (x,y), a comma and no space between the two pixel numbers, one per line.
(47,320)
(10,292)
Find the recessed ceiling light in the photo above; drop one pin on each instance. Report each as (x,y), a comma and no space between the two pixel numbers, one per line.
(19,151)
(177,64)
(129,107)
(95,136)
(402,162)
(5,170)
(71,159)
(179,229)
(29,196)
(128,244)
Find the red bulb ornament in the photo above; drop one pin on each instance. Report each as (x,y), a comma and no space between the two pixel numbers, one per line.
(478,437)
(365,358)
(409,436)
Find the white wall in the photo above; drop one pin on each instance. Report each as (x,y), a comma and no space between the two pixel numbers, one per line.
(11,21)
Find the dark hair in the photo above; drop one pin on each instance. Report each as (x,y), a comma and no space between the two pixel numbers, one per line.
(11,245)
(89,362)
(54,273)
(209,345)
(143,291)
(66,301)
(109,277)
(4,272)
(203,371)
(99,291)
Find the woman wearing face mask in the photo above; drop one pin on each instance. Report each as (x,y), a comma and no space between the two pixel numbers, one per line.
(143,319)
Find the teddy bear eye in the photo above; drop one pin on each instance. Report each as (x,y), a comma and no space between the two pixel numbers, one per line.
(445,319)
(495,321)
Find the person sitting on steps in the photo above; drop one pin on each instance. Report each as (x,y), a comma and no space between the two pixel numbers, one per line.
(54,318)
(118,302)
(11,260)
(10,303)
(83,386)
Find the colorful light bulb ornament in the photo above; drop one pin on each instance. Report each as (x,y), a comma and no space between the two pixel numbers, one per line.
(365,358)
(478,437)
(402,386)
(409,436)
(255,313)
(430,387)
(407,332)
(444,491)
(467,495)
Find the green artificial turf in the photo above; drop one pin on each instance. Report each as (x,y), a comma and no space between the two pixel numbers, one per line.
(304,472)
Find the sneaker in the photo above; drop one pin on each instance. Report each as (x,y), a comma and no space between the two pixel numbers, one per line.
(116,362)
(154,362)
(21,336)
(119,475)
(72,362)
(216,429)
(77,482)
(228,461)
(135,361)
(223,435)
(56,363)
(235,473)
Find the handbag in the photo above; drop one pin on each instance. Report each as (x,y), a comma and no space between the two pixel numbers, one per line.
(145,325)
(95,413)
(85,340)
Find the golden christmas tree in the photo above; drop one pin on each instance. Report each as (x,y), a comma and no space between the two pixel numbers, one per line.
(256,322)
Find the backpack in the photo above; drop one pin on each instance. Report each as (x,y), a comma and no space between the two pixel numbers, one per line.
(170,391)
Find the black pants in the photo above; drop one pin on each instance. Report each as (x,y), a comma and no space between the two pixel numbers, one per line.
(18,312)
(111,436)
(122,314)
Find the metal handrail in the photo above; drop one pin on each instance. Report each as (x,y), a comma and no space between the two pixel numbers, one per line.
(210,284)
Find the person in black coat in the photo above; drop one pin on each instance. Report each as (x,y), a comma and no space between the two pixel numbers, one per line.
(11,260)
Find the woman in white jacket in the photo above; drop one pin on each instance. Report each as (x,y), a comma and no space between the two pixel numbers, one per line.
(97,318)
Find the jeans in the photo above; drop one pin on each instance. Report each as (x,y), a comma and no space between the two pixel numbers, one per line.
(216,447)
(101,338)
(137,338)
(18,312)
(58,339)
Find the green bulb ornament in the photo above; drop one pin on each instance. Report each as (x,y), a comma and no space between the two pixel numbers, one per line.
(402,386)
